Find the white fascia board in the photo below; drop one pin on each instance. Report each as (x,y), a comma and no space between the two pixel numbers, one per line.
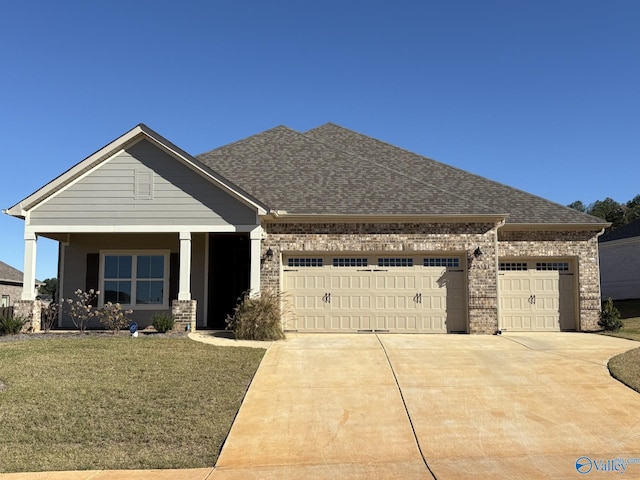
(62,180)
(42,229)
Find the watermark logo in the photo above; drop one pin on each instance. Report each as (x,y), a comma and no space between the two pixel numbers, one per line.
(584,465)
(619,465)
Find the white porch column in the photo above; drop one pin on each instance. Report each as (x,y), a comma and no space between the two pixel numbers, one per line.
(254,277)
(184,285)
(29,276)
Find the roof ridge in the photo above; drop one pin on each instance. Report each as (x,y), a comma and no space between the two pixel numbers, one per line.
(278,127)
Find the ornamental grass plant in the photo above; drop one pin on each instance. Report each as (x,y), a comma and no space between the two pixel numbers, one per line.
(258,318)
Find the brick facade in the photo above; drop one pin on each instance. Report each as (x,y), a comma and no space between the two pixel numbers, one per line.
(460,239)
(184,313)
(456,238)
(580,247)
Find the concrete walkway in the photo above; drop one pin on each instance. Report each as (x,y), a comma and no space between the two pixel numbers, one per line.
(422,407)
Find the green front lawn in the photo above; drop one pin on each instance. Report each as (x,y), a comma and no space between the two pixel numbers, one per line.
(626,366)
(118,403)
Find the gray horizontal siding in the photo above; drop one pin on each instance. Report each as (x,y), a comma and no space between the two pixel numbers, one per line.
(107,196)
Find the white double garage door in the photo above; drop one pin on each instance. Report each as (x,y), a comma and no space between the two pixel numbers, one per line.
(416,294)
(420,294)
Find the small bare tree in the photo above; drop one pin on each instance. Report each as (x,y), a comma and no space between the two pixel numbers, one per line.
(113,317)
(50,315)
(80,308)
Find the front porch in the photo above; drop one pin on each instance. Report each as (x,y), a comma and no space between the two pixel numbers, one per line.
(196,276)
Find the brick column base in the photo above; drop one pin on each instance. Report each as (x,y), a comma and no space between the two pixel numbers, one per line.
(184,313)
(30,310)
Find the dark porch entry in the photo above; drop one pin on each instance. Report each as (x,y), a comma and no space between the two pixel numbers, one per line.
(229,268)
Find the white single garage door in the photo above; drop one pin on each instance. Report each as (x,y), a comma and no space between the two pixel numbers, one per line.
(537,295)
(417,294)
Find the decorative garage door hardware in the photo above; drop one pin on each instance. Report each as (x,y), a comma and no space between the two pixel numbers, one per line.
(326,298)
(417,298)
(532,299)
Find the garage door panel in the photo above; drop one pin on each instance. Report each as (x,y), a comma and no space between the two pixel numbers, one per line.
(401,322)
(345,322)
(435,323)
(350,302)
(313,322)
(401,297)
(305,302)
(533,296)
(518,322)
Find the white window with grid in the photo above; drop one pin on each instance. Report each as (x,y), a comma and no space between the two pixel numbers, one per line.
(137,279)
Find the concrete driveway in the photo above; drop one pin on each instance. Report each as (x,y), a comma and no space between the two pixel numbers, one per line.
(435,406)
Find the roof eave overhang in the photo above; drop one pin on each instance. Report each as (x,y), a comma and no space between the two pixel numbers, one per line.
(554,226)
(126,140)
(279,216)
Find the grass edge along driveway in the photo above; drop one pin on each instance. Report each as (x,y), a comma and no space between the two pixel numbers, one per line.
(118,403)
(626,366)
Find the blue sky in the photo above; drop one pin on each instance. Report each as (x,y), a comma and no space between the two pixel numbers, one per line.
(540,95)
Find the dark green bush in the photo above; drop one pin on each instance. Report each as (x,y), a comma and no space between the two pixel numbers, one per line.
(258,318)
(163,322)
(11,325)
(610,317)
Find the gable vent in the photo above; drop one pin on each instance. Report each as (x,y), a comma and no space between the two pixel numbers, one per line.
(144,185)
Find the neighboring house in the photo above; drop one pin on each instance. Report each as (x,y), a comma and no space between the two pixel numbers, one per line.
(620,262)
(361,235)
(11,285)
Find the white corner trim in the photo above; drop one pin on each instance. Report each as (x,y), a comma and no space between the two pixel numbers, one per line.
(256,233)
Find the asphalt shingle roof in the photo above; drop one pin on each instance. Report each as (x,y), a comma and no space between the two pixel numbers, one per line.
(627,231)
(333,170)
(10,274)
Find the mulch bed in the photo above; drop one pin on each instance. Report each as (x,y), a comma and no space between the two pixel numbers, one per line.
(53,334)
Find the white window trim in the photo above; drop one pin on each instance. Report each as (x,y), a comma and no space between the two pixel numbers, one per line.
(165,291)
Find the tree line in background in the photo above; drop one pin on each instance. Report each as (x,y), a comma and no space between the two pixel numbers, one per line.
(619,214)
